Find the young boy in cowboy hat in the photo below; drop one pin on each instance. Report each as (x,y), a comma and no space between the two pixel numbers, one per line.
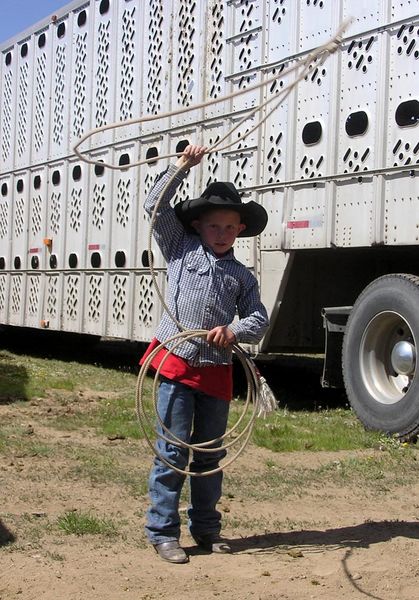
(207,286)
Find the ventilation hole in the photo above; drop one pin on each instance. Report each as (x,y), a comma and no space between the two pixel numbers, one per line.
(2,263)
(8,59)
(37,182)
(364,156)
(368,46)
(35,262)
(42,40)
(61,30)
(104,7)
(96,260)
(356,123)
(397,146)
(73,260)
(53,261)
(124,160)
(24,50)
(99,170)
(77,173)
(17,262)
(19,186)
(4,189)
(180,146)
(120,259)
(407,113)
(56,177)
(145,259)
(312,133)
(152,153)
(82,18)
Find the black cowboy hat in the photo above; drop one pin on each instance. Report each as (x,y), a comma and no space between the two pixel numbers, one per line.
(223,195)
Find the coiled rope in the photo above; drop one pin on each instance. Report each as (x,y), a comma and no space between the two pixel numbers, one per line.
(259,395)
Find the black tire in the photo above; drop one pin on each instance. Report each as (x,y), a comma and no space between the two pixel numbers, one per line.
(379,356)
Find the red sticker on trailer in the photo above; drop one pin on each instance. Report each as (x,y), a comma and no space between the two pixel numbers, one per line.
(94,246)
(298,224)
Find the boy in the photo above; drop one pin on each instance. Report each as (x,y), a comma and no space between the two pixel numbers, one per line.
(206,287)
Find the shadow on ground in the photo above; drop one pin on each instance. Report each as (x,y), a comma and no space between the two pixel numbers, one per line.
(357,536)
(6,536)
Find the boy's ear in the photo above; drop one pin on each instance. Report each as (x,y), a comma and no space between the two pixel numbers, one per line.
(242,227)
(196,224)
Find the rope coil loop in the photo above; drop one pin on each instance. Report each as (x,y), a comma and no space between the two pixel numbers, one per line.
(252,399)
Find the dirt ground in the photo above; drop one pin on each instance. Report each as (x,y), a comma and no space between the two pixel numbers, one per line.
(333,543)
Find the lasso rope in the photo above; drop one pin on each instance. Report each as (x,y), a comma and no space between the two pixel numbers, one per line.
(258,395)
(322,52)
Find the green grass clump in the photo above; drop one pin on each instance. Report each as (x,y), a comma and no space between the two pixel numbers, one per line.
(286,431)
(26,377)
(80,523)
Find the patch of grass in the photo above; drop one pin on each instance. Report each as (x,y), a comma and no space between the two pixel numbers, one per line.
(81,523)
(373,473)
(285,431)
(16,440)
(55,556)
(118,417)
(102,467)
(25,377)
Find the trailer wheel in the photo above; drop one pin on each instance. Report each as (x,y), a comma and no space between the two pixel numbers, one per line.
(379,356)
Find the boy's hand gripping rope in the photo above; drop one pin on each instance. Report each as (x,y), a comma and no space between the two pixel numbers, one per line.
(258,394)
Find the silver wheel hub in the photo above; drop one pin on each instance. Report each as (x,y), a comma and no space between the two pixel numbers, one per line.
(387,357)
(403,358)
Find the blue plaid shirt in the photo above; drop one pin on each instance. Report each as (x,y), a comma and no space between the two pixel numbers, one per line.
(204,291)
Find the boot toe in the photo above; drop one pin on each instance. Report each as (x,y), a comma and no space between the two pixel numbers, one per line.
(171,552)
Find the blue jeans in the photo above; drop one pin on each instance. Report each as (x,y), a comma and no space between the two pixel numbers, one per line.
(193,417)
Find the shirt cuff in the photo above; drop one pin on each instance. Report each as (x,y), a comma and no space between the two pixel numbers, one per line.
(180,173)
(238,331)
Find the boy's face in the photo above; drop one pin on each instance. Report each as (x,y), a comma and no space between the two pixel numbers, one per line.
(218,229)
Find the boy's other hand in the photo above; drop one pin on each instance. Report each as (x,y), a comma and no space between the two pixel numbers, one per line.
(221,336)
(191,156)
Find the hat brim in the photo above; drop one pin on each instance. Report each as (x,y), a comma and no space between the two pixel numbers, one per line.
(252,215)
